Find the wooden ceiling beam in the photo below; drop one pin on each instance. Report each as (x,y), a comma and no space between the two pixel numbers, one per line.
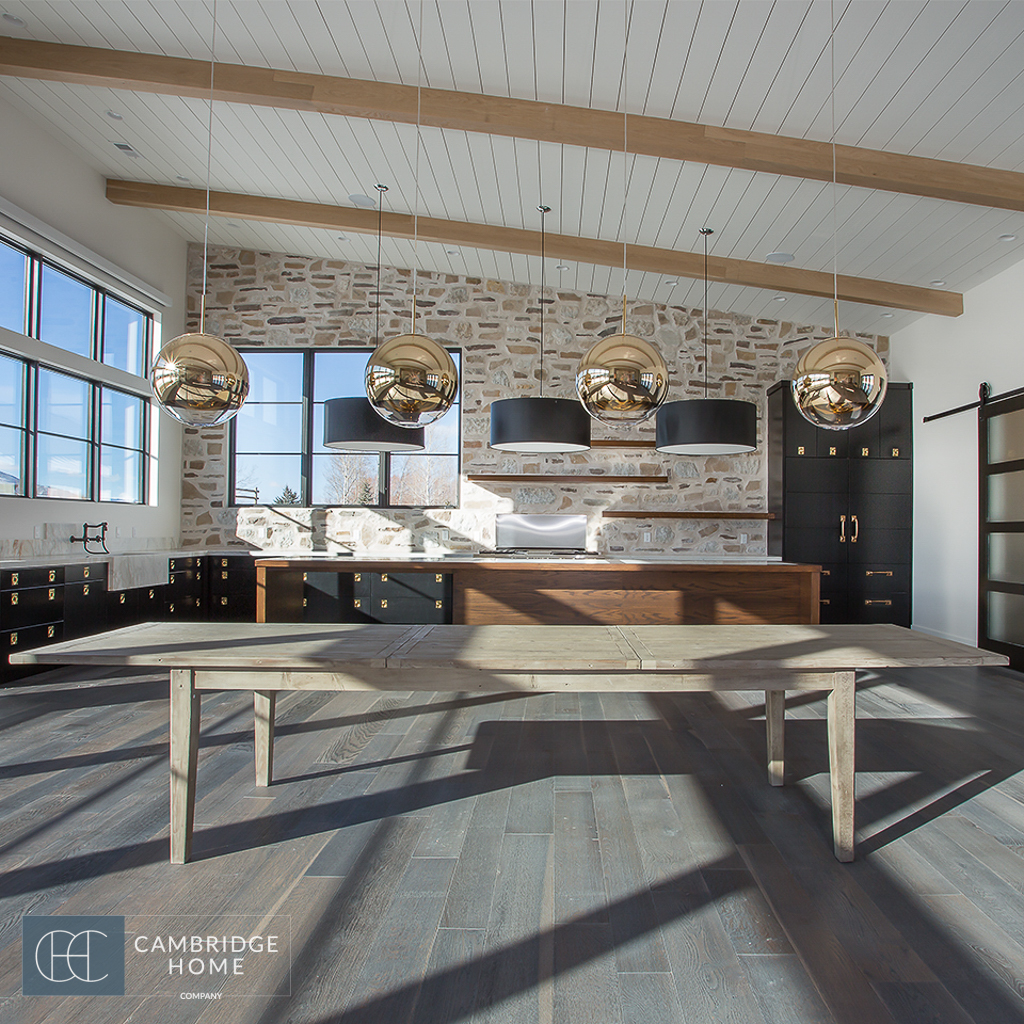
(524,119)
(748,273)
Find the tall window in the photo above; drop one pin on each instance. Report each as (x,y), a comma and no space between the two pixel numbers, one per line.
(63,433)
(277,440)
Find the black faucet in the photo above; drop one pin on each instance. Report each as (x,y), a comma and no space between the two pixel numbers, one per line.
(85,540)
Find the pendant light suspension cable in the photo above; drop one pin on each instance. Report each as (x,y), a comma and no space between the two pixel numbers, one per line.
(416,165)
(209,164)
(543,211)
(706,232)
(381,189)
(835,219)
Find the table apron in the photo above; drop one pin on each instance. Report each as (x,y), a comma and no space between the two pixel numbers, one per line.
(460,680)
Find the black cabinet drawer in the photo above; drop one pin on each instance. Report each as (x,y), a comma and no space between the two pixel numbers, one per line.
(231,581)
(188,562)
(185,583)
(85,608)
(893,608)
(233,607)
(39,576)
(832,444)
(818,511)
(819,545)
(881,476)
(880,579)
(184,607)
(122,608)
(409,610)
(833,609)
(85,572)
(152,602)
(233,562)
(834,579)
(816,476)
(896,423)
(435,586)
(30,637)
(31,606)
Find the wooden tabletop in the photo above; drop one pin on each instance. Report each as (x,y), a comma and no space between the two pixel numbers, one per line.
(329,646)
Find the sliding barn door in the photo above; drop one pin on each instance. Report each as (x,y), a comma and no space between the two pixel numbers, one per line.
(1001,534)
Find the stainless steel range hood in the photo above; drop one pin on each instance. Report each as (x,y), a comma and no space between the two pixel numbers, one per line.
(515,532)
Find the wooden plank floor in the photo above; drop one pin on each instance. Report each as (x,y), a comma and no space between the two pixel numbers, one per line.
(570,858)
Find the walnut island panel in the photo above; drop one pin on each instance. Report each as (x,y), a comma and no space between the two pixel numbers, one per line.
(575,591)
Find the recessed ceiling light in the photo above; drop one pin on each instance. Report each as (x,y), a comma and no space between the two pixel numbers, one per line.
(342,238)
(779,257)
(114,115)
(671,284)
(360,200)
(128,150)
(452,252)
(937,283)
(1007,238)
(13,19)
(562,266)
(887,314)
(182,177)
(780,298)
(233,224)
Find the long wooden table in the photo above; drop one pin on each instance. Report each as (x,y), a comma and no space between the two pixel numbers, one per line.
(270,657)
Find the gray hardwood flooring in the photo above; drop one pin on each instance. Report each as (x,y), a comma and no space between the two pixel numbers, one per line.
(569,858)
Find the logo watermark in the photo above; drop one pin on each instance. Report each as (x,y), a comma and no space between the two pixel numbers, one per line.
(72,956)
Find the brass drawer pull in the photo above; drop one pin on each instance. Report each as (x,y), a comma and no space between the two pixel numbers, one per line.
(383,577)
(122,599)
(223,600)
(152,594)
(85,590)
(801,450)
(439,604)
(826,572)
(223,575)
(50,630)
(14,599)
(865,452)
(384,603)
(51,594)
(856,529)
(438,578)
(878,572)
(14,639)
(357,576)
(884,603)
(842,529)
(53,576)
(14,579)
(825,600)
(224,562)
(357,603)
(85,573)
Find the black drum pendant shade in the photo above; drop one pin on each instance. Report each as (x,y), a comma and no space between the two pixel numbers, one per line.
(539,425)
(706,426)
(352,424)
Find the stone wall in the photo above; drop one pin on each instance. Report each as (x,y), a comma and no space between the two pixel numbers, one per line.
(266,299)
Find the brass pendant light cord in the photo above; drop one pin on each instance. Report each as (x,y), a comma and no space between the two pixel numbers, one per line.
(706,232)
(209,163)
(416,168)
(625,151)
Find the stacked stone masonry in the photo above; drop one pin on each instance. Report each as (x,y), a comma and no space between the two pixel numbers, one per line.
(259,299)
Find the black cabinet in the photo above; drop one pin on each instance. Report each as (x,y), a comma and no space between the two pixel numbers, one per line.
(31,614)
(232,588)
(844,499)
(402,597)
(85,600)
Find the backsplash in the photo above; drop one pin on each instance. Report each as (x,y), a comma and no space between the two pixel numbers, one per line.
(278,301)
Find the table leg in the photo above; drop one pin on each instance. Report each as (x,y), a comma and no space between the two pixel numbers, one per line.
(264,704)
(842,718)
(775,724)
(185,708)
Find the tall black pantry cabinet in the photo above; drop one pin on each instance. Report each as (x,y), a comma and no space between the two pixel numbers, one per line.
(844,499)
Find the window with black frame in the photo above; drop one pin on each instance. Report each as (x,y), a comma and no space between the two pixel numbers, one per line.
(278,450)
(63,432)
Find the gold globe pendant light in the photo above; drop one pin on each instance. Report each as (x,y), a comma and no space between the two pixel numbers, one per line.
(412,380)
(537,426)
(706,426)
(200,379)
(840,382)
(622,379)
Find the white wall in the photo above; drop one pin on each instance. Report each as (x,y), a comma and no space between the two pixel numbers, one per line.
(947,359)
(51,181)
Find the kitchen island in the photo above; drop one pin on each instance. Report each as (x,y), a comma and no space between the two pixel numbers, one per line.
(487,589)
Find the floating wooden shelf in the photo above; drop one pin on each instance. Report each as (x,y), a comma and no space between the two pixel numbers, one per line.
(605,443)
(588,478)
(709,514)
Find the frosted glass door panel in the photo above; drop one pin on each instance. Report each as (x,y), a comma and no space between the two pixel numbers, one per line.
(1006,437)
(1006,497)
(1006,617)
(1006,557)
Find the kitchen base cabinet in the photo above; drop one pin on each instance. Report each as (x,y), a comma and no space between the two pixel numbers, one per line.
(844,499)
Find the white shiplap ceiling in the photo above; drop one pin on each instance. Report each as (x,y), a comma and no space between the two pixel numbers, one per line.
(941,79)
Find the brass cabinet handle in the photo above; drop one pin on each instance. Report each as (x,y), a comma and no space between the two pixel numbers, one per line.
(384,603)
(357,603)
(53,576)
(51,594)
(842,529)
(885,603)
(826,572)
(14,598)
(14,579)
(438,577)
(357,576)
(383,577)
(223,600)
(438,604)
(878,572)
(825,600)
(50,632)
(122,599)
(856,529)
(223,575)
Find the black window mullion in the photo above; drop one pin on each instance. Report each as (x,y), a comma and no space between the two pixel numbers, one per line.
(384,480)
(94,443)
(306,458)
